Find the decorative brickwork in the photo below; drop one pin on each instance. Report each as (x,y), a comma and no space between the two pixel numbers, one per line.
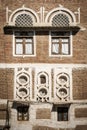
(6,83)
(43,113)
(45,74)
(3,113)
(81,112)
(79,84)
(81,127)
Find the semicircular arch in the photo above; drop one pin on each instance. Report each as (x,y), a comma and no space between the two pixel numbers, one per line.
(23,10)
(60,10)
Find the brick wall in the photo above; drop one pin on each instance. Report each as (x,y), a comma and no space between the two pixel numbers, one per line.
(43,114)
(79,84)
(42,55)
(42,42)
(6,83)
(80,112)
(81,127)
(3,108)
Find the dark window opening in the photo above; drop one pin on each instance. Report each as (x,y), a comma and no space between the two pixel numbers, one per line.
(62,113)
(42,79)
(22,113)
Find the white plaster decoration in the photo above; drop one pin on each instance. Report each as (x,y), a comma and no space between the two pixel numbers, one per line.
(23,84)
(78,15)
(25,55)
(62,84)
(42,14)
(43,17)
(22,10)
(43,88)
(61,10)
(45,65)
(70,45)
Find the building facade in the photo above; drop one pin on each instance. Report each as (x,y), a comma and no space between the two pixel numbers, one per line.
(43,65)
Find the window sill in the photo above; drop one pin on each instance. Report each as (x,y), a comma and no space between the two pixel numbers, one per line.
(23,56)
(60,56)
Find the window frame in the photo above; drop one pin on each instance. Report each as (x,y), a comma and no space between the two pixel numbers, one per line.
(21,115)
(23,44)
(61,112)
(60,36)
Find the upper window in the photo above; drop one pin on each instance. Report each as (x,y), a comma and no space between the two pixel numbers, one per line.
(60,43)
(24,20)
(60,20)
(24,43)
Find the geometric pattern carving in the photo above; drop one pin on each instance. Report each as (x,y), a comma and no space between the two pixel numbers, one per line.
(23,84)
(63,86)
(24,20)
(60,20)
(42,87)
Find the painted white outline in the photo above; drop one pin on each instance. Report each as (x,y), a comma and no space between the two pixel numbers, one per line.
(23,55)
(20,11)
(71,48)
(61,10)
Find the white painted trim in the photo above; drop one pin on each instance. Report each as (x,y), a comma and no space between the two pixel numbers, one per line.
(71,48)
(33,55)
(23,9)
(15,71)
(35,65)
(47,72)
(27,86)
(68,72)
(60,9)
(61,12)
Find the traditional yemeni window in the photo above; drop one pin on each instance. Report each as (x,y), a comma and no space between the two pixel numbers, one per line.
(42,79)
(22,113)
(60,20)
(24,43)
(24,20)
(62,113)
(60,43)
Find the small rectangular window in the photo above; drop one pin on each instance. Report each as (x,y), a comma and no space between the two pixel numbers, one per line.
(60,43)
(62,113)
(24,43)
(22,113)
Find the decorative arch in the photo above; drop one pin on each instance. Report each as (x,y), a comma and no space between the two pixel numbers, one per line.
(44,75)
(42,87)
(60,16)
(27,14)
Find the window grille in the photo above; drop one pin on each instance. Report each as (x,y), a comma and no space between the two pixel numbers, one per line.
(24,20)
(60,20)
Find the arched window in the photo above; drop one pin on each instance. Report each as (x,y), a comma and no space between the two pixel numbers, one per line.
(60,20)
(42,79)
(24,20)
(61,17)
(23,17)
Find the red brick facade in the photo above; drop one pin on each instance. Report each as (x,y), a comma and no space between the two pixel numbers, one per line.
(44,115)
